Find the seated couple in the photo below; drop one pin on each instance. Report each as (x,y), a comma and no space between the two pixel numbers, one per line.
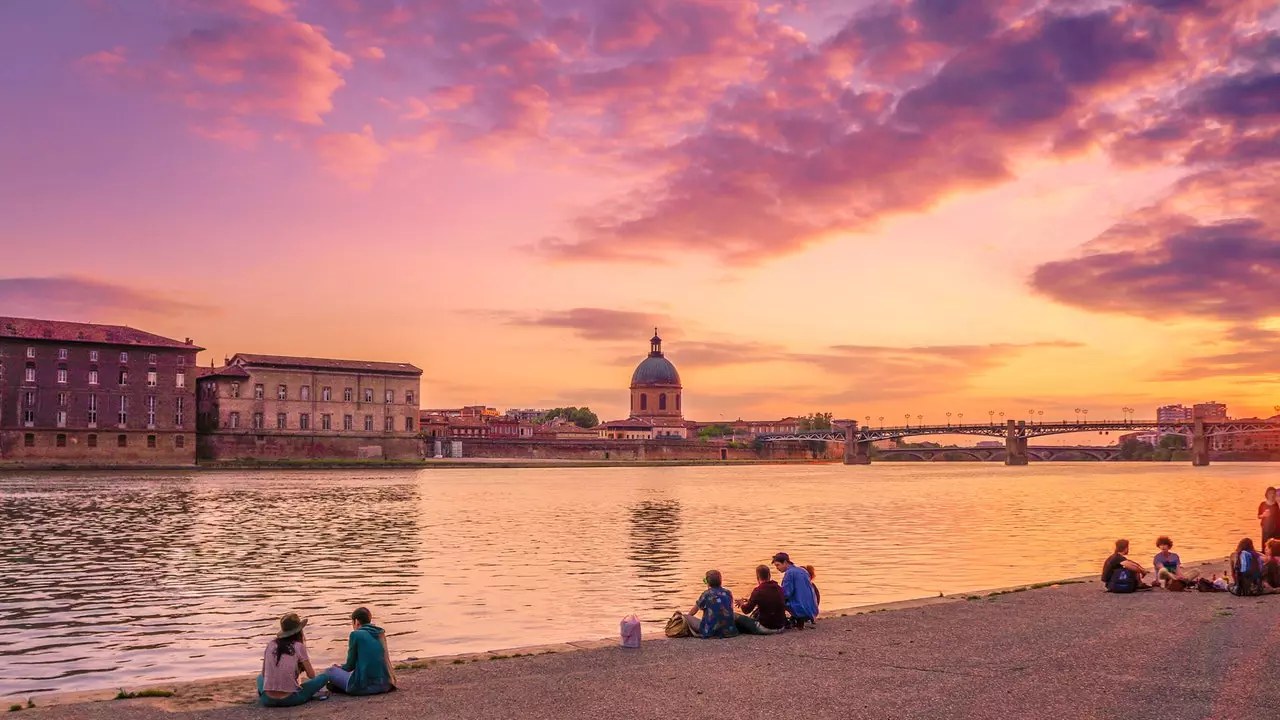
(367,671)
(767,610)
(1254,573)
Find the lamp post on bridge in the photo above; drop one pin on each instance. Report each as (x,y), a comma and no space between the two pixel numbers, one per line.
(908,416)
(1077,414)
(1041,413)
(960,418)
(881,422)
(948,419)
(1032,414)
(919,420)
(992,414)
(1085,412)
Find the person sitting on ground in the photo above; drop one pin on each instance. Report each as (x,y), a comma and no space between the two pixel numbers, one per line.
(1168,566)
(1120,574)
(798,591)
(716,604)
(766,604)
(817,596)
(368,669)
(1271,564)
(284,658)
(1246,570)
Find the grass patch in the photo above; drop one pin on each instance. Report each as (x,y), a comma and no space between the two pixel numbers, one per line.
(146,693)
(1224,613)
(459,661)
(15,708)
(973,597)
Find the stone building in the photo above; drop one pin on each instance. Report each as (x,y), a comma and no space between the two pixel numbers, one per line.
(274,406)
(656,393)
(85,394)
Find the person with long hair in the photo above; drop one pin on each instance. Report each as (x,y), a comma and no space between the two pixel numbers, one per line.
(283,660)
(1246,570)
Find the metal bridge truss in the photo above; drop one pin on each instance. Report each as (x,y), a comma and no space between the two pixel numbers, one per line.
(1025,430)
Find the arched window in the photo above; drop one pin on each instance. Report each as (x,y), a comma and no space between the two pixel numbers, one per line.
(662,401)
(644,401)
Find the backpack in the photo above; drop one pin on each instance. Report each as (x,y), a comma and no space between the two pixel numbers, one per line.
(1123,580)
(678,627)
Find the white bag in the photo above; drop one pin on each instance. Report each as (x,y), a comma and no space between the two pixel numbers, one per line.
(630,631)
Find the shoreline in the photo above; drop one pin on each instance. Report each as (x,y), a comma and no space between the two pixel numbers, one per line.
(234,690)
(445,464)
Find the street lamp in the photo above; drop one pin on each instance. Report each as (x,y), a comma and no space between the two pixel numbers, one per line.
(948,419)
(1077,414)
(1041,413)
(908,417)
(1085,412)
(992,414)
(1032,413)
(881,422)
(920,420)
(960,418)
(868,420)
(1001,417)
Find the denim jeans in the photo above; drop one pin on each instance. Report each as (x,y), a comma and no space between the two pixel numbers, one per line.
(309,689)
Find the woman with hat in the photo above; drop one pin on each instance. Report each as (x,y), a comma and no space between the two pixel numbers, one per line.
(284,658)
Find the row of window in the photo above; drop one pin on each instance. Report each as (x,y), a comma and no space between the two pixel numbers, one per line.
(153,377)
(304,393)
(326,422)
(91,440)
(91,407)
(64,353)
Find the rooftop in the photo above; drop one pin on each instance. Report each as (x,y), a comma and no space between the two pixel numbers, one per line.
(310,363)
(74,332)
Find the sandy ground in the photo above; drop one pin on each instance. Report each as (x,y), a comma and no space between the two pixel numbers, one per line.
(1067,651)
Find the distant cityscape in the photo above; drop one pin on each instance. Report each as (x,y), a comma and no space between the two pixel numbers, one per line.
(87,394)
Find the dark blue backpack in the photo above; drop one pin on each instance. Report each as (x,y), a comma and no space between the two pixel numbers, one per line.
(1123,580)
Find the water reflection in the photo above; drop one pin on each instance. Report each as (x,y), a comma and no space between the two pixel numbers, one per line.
(112,580)
(153,577)
(655,547)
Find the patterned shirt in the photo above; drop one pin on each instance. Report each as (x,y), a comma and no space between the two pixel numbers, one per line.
(716,605)
(282,675)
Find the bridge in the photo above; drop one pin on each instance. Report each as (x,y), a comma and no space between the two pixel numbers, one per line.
(1043,453)
(858,439)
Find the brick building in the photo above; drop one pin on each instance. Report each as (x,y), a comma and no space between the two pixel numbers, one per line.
(86,394)
(270,406)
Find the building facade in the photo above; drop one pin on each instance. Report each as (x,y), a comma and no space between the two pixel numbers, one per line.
(273,406)
(86,394)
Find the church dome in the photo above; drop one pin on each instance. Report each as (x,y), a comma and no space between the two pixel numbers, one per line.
(655,369)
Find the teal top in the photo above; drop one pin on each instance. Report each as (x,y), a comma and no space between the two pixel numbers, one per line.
(367,662)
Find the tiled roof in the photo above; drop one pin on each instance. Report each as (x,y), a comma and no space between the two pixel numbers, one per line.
(60,331)
(630,423)
(358,366)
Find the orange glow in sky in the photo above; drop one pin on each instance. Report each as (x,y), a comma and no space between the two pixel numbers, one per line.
(866,208)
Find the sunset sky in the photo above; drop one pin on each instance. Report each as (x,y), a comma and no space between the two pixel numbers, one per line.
(867,208)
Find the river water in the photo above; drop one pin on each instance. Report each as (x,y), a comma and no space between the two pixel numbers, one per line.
(111,580)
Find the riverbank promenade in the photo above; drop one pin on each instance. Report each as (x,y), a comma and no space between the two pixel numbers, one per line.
(1069,651)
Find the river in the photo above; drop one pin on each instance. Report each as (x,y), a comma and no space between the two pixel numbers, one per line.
(122,579)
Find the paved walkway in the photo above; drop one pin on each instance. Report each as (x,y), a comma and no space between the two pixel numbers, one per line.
(1064,652)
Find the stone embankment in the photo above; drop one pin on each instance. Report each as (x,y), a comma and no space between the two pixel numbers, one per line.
(1061,651)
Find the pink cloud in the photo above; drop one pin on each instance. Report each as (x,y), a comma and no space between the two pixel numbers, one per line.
(355,157)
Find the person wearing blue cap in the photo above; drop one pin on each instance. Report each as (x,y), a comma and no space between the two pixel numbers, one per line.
(797,589)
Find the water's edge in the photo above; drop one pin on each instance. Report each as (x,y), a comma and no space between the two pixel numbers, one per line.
(230,690)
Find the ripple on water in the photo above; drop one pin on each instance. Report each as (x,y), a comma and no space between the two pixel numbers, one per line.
(123,579)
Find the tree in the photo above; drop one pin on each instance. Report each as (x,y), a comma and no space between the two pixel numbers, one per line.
(582,417)
(716,430)
(1173,442)
(815,421)
(1134,449)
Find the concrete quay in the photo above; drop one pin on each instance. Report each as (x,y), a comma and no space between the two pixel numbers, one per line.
(1064,651)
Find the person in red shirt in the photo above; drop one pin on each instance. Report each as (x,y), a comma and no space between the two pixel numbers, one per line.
(1269,516)
(766,601)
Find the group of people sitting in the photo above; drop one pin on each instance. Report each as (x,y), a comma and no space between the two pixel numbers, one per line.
(367,670)
(1249,572)
(770,609)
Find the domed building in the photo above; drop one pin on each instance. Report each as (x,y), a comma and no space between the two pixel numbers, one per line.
(656,399)
(655,386)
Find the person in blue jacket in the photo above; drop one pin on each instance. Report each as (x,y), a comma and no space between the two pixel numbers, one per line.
(368,669)
(797,589)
